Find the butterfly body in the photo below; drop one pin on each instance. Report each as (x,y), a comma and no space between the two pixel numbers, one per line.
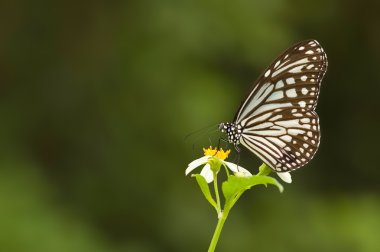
(233,132)
(277,121)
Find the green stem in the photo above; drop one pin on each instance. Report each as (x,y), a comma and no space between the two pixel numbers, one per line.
(219,210)
(222,216)
(218,230)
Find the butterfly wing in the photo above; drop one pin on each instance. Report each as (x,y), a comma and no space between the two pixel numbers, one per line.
(278,117)
(286,140)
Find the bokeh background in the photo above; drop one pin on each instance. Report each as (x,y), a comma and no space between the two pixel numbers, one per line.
(96,98)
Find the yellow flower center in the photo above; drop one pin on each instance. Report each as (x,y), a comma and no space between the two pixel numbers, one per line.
(210,151)
(221,154)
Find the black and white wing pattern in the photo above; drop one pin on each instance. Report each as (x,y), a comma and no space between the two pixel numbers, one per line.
(277,120)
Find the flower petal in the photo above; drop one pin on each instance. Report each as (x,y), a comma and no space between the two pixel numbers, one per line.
(285,176)
(207,173)
(238,169)
(243,172)
(233,167)
(196,163)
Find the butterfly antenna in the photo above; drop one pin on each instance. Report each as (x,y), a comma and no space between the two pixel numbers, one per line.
(196,135)
(221,139)
(200,132)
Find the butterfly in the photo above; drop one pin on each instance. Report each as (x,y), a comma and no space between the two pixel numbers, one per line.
(277,120)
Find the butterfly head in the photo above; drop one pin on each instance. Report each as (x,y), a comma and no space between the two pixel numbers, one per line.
(232,130)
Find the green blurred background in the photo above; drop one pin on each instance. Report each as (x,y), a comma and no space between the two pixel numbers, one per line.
(97,97)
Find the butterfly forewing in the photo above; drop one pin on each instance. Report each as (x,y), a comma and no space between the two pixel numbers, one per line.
(277,118)
(292,80)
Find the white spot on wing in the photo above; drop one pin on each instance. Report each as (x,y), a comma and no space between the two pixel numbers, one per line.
(289,123)
(290,80)
(267,73)
(306,126)
(295,132)
(296,69)
(291,93)
(286,138)
(279,84)
(266,107)
(303,77)
(277,63)
(276,96)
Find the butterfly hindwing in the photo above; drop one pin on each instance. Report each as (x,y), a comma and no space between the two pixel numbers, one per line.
(285,139)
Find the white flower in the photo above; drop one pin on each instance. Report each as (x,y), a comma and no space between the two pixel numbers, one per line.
(219,156)
(238,170)
(285,176)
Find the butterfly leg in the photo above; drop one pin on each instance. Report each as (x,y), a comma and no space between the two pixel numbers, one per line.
(238,155)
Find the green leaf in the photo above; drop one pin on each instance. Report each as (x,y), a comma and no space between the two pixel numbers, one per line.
(235,186)
(264,170)
(205,189)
